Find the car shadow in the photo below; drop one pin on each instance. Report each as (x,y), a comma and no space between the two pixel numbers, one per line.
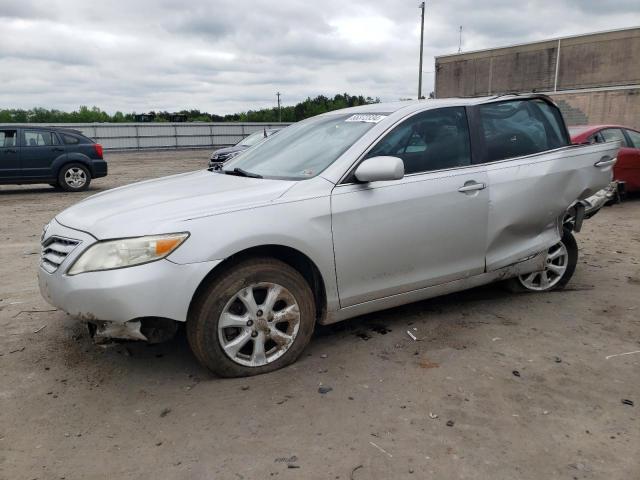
(174,357)
(41,190)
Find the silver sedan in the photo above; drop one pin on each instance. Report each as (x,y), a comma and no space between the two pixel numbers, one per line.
(339,215)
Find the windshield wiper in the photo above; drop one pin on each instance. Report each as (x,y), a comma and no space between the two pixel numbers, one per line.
(242,173)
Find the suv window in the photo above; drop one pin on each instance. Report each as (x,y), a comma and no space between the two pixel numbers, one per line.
(37,138)
(7,138)
(613,134)
(634,137)
(516,128)
(431,140)
(70,139)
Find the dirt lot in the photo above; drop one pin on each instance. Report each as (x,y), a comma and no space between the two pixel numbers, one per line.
(497,386)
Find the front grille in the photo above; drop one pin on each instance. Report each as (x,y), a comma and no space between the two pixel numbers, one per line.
(55,250)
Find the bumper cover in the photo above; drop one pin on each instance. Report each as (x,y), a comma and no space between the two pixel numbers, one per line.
(157,289)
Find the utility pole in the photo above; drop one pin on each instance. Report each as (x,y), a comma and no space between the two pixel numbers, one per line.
(279,111)
(421,6)
(460,41)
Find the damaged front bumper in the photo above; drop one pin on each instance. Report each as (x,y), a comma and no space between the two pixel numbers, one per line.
(112,299)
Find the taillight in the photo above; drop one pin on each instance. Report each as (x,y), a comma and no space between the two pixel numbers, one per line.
(98,148)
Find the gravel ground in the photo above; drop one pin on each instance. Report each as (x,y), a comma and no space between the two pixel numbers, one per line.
(497,385)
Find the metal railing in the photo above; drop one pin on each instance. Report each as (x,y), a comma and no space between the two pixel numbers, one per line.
(141,136)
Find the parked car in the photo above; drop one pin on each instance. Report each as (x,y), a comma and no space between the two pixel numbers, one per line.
(339,215)
(224,154)
(61,157)
(627,168)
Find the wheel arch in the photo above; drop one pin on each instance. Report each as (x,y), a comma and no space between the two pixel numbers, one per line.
(291,256)
(69,158)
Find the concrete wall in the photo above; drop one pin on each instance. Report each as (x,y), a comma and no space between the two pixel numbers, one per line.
(587,61)
(597,107)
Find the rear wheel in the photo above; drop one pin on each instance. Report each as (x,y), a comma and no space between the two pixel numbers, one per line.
(560,264)
(74,177)
(256,317)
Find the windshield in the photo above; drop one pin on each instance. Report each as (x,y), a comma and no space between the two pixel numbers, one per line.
(252,139)
(304,149)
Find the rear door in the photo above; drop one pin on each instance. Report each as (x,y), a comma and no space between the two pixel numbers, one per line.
(627,167)
(9,154)
(39,150)
(392,237)
(534,176)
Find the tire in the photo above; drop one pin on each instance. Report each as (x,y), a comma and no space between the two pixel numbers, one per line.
(220,319)
(74,177)
(565,263)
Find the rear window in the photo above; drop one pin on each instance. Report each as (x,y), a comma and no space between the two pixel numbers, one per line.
(521,127)
(70,139)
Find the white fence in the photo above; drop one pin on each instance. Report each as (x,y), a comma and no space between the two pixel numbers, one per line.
(139,136)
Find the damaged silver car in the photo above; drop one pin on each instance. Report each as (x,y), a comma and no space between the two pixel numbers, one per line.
(339,215)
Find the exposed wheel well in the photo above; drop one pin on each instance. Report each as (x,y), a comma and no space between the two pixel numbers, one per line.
(288,255)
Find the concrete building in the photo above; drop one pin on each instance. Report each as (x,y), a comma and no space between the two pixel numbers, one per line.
(594,78)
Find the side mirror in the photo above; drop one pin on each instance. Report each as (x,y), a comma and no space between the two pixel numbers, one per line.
(376,169)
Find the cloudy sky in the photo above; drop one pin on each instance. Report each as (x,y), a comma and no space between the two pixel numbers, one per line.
(225,56)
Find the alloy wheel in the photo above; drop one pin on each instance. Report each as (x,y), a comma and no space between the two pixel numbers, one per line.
(556,266)
(259,324)
(75,177)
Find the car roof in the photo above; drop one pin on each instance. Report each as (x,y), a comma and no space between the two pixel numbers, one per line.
(427,104)
(42,127)
(586,130)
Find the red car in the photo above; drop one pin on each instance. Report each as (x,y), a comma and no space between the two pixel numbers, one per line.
(627,168)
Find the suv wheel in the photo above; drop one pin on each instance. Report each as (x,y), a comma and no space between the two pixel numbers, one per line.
(74,177)
(256,317)
(561,262)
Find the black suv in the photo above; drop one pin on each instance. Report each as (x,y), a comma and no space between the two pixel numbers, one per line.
(61,157)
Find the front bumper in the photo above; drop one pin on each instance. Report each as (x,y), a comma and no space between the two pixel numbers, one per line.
(157,289)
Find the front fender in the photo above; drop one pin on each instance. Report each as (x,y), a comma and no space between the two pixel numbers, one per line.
(304,225)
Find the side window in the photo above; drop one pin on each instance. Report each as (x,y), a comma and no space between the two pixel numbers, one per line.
(35,138)
(613,134)
(431,140)
(54,139)
(520,127)
(596,138)
(634,137)
(8,138)
(70,140)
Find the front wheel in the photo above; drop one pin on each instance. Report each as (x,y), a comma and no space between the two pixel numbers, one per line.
(561,262)
(255,317)
(74,177)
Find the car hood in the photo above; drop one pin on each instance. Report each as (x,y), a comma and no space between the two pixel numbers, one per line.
(167,204)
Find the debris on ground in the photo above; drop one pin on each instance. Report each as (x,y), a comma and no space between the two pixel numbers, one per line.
(324,389)
(165,412)
(558,360)
(433,416)
(626,401)
(357,467)
(19,349)
(620,354)
(324,355)
(426,363)
(450,423)
(381,449)
(413,337)
(39,329)
(244,387)
(516,373)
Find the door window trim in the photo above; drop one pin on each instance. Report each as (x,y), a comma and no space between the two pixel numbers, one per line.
(346,178)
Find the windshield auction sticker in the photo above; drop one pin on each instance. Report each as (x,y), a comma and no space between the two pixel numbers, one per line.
(368,118)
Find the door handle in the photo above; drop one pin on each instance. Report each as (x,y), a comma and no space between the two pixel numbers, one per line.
(57,149)
(471,186)
(605,162)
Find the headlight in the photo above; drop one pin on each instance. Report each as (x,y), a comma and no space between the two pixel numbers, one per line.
(126,252)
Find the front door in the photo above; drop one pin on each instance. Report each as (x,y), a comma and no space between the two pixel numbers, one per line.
(428,228)
(39,150)
(9,154)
